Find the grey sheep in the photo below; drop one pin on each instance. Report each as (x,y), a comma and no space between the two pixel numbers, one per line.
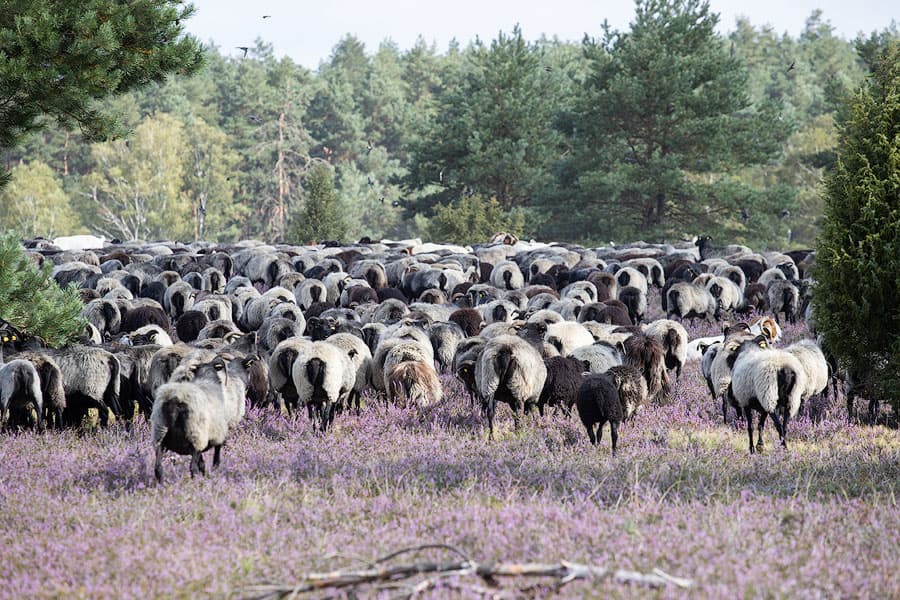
(629,276)
(726,292)
(636,302)
(323,376)
(281,363)
(689,301)
(20,390)
(815,367)
(509,370)
(784,300)
(361,359)
(445,336)
(632,388)
(566,336)
(190,417)
(104,315)
(507,276)
(179,297)
(598,357)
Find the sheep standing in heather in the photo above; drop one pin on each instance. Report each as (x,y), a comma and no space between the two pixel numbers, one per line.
(632,388)
(674,339)
(815,367)
(323,375)
(768,381)
(417,382)
(281,365)
(191,416)
(647,356)
(598,403)
(20,390)
(564,375)
(690,301)
(361,358)
(509,370)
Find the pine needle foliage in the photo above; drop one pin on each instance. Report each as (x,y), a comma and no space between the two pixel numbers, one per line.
(322,216)
(32,301)
(473,218)
(858,258)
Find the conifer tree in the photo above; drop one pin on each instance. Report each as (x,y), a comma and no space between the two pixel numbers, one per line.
(321,217)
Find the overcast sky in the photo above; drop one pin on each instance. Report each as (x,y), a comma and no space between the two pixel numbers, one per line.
(307,31)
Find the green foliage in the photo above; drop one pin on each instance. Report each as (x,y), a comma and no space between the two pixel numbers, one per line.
(322,216)
(664,120)
(32,301)
(858,258)
(59,58)
(473,219)
(34,203)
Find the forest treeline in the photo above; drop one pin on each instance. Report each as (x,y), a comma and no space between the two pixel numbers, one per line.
(663,131)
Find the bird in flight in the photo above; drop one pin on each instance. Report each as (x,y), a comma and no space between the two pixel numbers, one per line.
(370,180)
(244,48)
(267,16)
(369,147)
(791,68)
(548,69)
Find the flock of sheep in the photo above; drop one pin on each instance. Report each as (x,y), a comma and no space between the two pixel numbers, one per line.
(188,334)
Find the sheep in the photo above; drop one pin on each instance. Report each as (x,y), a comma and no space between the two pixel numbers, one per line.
(217,329)
(768,381)
(564,375)
(469,320)
(417,381)
(150,334)
(190,417)
(510,370)
(189,325)
(612,312)
(20,390)
(370,270)
(445,336)
(631,277)
(507,276)
(104,315)
(649,268)
(726,292)
(566,336)
(690,301)
(323,375)
(632,388)
(598,403)
(674,339)
(636,302)
(784,299)
(708,353)
(145,315)
(391,310)
(733,273)
(584,291)
(467,353)
(179,297)
(755,298)
(499,311)
(647,355)
(215,307)
(281,364)
(598,357)
(720,368)
(274,330)
(815,367)
(770,275)
(256,310)
(361,359)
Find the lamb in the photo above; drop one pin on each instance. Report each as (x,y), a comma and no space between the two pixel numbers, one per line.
(598,403)
(323,376)
(509,370)
(689,301)
(769,381)
(632,388)
(674,339)
(190,417)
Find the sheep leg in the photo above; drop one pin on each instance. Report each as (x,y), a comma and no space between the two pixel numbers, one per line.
(217,456)
(490,406)
(614,434)
(724,405)
(197,464)
(779,427)
(748,414)
(759,436)
(157,465)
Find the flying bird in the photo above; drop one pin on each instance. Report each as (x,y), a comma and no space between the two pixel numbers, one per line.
(267,16)
(370,180)
(244,48)
(745,215)
(369,147)
(548,68)
(395,203)
(791,68)
(382,199)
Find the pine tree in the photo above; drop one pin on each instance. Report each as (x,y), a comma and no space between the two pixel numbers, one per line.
(473,219)
(858,257)
(59,58)
(322,216)
(32,301)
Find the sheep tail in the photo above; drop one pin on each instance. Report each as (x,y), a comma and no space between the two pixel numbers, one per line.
(506,364)
(315,372)
(286,361)
(111,395)
(787,379)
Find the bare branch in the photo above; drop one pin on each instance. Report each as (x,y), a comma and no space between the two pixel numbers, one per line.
(391,576)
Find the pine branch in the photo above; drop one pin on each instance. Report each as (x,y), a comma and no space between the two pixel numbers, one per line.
(395,576)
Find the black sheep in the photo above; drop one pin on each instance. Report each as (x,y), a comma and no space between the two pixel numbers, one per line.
(598,403)
(564,376)
(469,319)
(189,325)
(145,315)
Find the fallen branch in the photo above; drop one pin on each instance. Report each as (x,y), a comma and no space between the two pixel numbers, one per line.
(563,573)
